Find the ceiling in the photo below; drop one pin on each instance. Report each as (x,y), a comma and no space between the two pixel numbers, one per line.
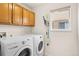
(34,5)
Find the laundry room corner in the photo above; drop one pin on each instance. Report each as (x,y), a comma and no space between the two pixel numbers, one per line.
(58,39)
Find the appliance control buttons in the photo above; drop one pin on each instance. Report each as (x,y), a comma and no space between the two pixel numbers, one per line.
(23,42)
(40,37)
(27,39)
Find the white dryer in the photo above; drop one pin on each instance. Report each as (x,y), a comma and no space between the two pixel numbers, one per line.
(38,45)
(17,46)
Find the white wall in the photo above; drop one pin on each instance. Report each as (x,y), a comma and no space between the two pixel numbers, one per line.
(78,28)
(15,30)
(61,43)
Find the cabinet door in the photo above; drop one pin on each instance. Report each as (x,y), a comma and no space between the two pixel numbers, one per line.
(17,14)
(5,13)
(32,19)
(26,20)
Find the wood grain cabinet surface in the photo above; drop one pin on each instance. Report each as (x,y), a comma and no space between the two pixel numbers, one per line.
(32,18)
(26,19)
(5,13)
(17,14)
(11,13)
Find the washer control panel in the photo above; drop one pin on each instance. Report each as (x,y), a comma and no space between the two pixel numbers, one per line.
(25,41)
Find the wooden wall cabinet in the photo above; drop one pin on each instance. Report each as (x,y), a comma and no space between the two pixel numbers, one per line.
(32,18)
(26,19)
(17,14)
(5,13)
(11,13)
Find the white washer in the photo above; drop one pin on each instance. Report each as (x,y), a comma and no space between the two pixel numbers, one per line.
(17,46)
(38,45)
(1,38)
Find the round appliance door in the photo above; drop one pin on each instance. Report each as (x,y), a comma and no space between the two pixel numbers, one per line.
(40,47)
(24,51)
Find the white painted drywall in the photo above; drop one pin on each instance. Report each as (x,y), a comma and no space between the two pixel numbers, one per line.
(78,28)
(61,43)
(15,30)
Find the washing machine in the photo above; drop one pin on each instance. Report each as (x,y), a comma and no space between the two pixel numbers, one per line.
(38,45)
(17,46)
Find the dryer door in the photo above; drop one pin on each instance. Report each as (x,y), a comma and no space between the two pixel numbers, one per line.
(24,51)
(40,47)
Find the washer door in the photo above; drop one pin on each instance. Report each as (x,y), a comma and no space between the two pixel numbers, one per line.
(24,51)
(40,47)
